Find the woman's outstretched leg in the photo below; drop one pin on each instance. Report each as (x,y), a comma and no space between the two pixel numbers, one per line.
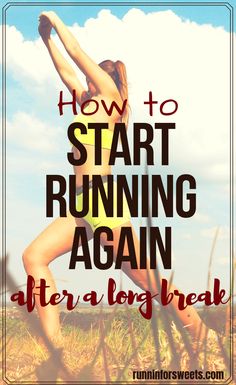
(55,240)
(188,317)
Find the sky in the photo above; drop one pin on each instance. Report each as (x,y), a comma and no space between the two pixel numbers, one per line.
(217,15)
(176,52)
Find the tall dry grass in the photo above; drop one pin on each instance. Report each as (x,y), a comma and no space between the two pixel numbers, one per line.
(108,346)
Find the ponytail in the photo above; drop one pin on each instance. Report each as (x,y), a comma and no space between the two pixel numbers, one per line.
(117,72)
(122,87)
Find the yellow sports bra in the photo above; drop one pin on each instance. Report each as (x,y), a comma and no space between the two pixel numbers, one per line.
(89,137)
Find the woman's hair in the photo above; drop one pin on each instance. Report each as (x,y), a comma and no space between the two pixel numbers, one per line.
(117,71)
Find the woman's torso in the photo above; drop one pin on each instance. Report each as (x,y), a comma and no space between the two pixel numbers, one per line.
(89,167)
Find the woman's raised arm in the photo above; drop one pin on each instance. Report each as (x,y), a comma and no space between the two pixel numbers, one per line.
(64,69)
(102,81)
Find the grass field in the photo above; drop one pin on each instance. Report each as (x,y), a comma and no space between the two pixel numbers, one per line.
(109,344)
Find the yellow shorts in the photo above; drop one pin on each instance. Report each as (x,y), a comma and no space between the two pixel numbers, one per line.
(102,219)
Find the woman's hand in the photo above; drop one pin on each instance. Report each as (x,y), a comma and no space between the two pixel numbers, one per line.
(46,23)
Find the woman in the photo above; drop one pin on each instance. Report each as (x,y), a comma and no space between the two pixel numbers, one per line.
(105,81)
